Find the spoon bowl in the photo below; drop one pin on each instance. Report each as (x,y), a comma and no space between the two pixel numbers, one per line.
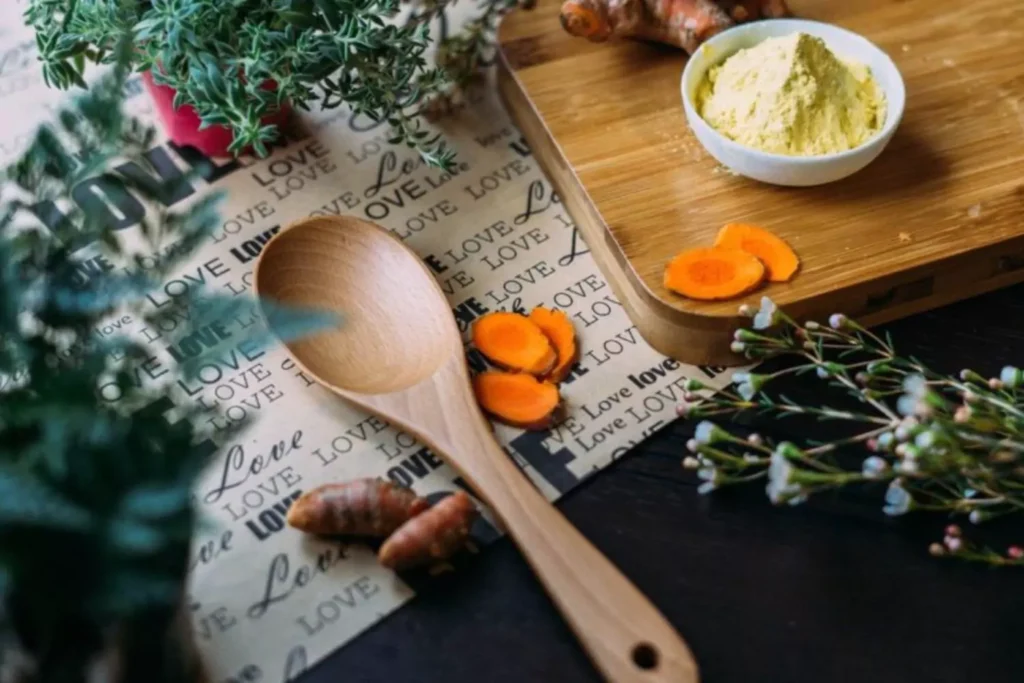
(397,331)
(399,355)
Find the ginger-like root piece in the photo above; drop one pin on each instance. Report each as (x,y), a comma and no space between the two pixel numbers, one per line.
(362,507)
(517,399)
(558,328)
(681,23)
(514,342)
(751,10)
(432,536)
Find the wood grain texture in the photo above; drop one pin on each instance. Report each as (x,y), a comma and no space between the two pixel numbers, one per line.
(937,218)
(398,354)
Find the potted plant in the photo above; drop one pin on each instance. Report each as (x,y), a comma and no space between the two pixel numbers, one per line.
(224,75)
(96,510)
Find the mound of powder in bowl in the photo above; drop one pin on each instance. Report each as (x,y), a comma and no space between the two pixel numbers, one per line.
(791,95)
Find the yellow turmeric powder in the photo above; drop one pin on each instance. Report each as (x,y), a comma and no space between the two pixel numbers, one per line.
(791,95)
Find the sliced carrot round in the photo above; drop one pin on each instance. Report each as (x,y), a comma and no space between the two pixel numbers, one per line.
(713,273)
(778,257)
(514,342)
(557,327)
(517,399)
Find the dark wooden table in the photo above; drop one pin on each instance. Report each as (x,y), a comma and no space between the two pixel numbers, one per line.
(777,595)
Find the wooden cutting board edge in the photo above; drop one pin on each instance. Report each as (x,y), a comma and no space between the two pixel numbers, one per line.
(705,339)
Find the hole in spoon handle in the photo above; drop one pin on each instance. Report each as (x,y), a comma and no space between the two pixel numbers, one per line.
(645,656)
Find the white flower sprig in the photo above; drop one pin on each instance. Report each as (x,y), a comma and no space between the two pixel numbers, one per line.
(953,445)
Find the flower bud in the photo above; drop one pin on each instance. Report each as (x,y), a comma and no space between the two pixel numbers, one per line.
(745,336)
(737,347)
(709,433)
(688,410)
(925,440)
(690,462)
(1011,377)
(910,405)
(897,499)
(936,550)
(1015,552)
(767,315)
(971,376)
(788,451)
(837,321)
(873,466)
(906,466)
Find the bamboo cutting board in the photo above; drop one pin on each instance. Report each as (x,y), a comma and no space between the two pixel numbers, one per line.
(938,217)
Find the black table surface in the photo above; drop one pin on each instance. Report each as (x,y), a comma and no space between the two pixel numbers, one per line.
(780,595)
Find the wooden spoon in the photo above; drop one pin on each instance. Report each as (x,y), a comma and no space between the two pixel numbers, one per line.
(398,354)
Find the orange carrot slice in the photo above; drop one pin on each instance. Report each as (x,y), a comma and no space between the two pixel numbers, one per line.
(778,257)
(514,342)
(557,327)
(713,273)
(517,399)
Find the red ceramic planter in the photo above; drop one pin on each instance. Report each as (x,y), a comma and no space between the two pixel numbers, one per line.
(182,124)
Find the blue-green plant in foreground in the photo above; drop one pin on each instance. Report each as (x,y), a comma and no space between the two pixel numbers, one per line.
(952,445)
(96,508)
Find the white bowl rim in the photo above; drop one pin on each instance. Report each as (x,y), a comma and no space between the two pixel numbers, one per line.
(894,117)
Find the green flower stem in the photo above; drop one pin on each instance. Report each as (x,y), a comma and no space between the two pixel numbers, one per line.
(829,480)
(943,444)
(743,479)
(723,456)
(858,439)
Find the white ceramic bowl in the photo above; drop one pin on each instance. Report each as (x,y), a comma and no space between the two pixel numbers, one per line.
(780,169)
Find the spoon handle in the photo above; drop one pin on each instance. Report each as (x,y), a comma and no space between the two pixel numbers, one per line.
(625,636)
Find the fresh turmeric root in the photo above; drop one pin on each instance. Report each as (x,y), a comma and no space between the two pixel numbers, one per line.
(557,327)
(362,507)
(681,23)
(713,273)
(750,10)
(514,342)
(778,257)
(432,536)
(517,399)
